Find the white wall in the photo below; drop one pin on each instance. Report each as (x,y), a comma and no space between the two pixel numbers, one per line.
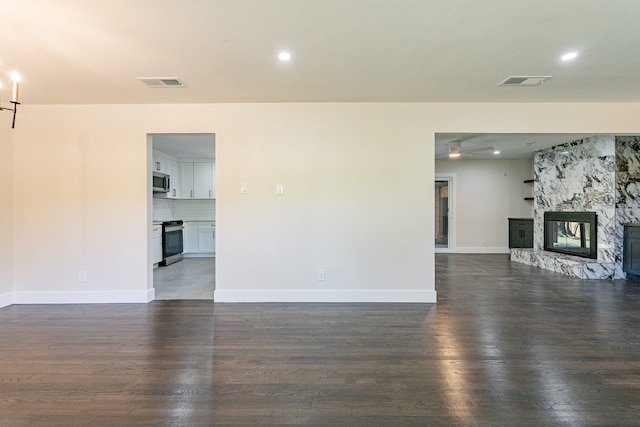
(358,200)
(487,193)
(6,210)
(80,204)
(353,176)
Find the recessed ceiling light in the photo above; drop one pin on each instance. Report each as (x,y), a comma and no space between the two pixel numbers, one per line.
(496,152)
(284,56)
(569,56)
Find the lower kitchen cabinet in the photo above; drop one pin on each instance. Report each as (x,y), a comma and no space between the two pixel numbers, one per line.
(520,232)
(190,237)
(206,237)
(199,238)
(156,233)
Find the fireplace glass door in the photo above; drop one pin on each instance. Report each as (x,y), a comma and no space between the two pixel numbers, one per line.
(571,233)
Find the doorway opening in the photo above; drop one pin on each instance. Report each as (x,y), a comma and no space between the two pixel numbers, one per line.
(184,205)
(444,213)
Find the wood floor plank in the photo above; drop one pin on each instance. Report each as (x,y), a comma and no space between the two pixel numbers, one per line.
(505,345)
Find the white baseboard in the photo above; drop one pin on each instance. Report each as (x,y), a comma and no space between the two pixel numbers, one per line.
(6,300)
(429,297)
(325,296)
(477,250)
(80,297)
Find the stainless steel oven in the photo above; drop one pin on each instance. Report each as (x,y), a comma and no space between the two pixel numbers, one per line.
(171,241)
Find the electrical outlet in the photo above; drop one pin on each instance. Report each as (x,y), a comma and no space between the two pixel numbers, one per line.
(82,275)
(244,188)
(484,240)
(321,275)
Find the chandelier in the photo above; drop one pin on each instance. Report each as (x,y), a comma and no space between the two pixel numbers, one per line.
(14,98)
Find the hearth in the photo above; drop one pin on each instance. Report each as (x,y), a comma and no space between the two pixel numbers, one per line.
(571,233)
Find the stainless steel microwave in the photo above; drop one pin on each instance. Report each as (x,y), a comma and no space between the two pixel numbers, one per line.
(161,183)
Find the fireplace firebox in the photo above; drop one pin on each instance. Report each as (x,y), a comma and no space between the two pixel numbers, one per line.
(571,233)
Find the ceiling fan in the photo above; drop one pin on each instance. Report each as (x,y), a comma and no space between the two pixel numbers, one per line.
(456,150)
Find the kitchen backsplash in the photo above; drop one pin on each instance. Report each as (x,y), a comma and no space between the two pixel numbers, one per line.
(186,210)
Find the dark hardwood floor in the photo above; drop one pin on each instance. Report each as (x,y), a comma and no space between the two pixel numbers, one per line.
(507,344)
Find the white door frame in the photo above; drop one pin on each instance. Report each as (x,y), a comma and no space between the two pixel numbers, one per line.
(451,179)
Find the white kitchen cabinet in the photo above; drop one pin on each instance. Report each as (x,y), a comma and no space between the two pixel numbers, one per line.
(186,180)
(160,163)
(190,237)
(213,181)
(156,233)
(206,237)
(174,171)
(197,180)
(199,238)
(202,180)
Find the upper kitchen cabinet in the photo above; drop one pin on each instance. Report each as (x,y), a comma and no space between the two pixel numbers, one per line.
(165,164)
(189,160)
(198,180)
(186,180)
(160,163)
(203,181)
(174,173)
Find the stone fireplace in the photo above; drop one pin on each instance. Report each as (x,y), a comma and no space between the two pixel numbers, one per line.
(600,175)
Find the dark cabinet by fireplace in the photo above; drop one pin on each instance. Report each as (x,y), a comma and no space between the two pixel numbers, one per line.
(520,232)
(631,251)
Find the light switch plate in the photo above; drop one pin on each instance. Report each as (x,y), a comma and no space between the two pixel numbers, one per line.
(279,189)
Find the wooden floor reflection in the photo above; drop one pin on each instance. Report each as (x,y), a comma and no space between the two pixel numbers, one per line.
(507,344)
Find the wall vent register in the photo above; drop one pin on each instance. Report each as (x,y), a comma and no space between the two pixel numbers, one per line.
(524,80)
(164,82)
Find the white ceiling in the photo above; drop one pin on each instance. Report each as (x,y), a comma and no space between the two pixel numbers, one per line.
(510,146)
(93,51)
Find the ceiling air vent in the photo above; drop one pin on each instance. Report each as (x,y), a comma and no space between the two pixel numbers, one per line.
(524,80)
(162,81)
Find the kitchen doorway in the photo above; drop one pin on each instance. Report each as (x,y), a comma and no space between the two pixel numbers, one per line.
(444,212)
(185,201)
(191,278)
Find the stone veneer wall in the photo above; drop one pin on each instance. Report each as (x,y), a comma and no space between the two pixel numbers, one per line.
(627,190)
(578,176)
(599,174)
